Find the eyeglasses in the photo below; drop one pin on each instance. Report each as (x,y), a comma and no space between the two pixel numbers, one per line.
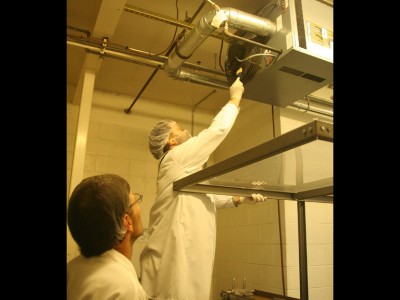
(138,199)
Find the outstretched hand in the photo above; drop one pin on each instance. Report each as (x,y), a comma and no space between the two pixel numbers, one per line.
(254,199)
(236,90)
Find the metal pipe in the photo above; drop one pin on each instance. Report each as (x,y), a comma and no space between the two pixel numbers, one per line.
(250,41)
(128,110)
(186,64)
(142,58)
(203,80)
(207,24)
(159,17)
(168,20)
(247,22)
(195,78)
(87,32)
(111,53)
(311,108)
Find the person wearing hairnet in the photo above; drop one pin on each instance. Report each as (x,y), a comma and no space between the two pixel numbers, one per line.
(177,262)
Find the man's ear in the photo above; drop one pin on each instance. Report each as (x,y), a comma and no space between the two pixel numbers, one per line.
(128,222)
(171,142)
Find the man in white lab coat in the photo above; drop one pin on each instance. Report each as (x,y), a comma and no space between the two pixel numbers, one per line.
(104,219)
(177,262)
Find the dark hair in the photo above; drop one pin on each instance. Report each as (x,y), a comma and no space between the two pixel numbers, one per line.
(95,213)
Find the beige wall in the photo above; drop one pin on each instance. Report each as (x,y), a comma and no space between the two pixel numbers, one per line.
(319,226)
(118,143)
(248,244)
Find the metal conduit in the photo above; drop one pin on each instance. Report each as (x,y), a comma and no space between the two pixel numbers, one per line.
(94,48)
(311,108)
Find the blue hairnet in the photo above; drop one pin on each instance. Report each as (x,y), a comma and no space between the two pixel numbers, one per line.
(158,137)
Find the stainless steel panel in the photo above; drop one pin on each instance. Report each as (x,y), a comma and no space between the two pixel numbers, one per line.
(305,36)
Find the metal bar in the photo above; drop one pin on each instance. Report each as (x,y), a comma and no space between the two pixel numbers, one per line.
(136,56)
(224,190)
(279,51)
(311,108)
(156,16)
(128,110)
(87,32)
(314,193)
(95,49)
(320,199)
(303,268)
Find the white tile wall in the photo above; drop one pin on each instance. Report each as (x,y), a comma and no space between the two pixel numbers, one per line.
(118,143)
(319,229)
(248,236)
(325,293)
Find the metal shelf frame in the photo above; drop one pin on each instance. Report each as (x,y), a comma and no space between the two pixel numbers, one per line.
(317,191)
(315,130)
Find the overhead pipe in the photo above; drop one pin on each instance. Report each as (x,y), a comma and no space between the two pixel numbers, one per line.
(168,20)
(205,27)
(203,80)
(186,46)
(227,33)
(312,109)
(150,60)
(96,49)
(142,58)
(186,64)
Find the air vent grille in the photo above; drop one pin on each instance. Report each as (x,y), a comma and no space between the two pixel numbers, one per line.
(301,74)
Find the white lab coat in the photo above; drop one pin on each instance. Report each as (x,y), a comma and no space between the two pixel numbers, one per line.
(108,276)
(177,262)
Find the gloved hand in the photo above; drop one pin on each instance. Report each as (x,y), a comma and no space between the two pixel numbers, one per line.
(254,199)
(236,90)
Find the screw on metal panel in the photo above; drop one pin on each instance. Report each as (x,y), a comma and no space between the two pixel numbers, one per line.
(304,131)
(310,129)
(328,129)
(323,128)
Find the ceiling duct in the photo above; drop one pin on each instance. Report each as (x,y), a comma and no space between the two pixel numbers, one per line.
(205,27)
(303,29)
(305,35)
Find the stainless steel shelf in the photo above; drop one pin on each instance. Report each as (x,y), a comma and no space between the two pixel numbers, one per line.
(297,165)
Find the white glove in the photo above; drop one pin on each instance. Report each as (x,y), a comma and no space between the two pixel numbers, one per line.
(236,90)
(254,199)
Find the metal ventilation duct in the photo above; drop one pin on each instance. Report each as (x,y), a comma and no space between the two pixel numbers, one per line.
(205,27)
(305,34)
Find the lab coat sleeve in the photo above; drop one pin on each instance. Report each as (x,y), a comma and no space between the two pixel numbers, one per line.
(223,201)
(196,151)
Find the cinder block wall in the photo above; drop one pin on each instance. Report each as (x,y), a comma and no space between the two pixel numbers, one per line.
(248,245)
(319,227)
(118,143)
